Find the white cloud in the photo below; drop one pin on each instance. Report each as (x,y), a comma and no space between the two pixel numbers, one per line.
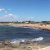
(7,15)
(8,18)
(10,14)
(5,11)
(2,9)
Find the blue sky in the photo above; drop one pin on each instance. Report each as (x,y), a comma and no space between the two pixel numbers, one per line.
(36,10)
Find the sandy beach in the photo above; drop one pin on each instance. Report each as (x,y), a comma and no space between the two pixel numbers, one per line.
(37,26)
(7,46)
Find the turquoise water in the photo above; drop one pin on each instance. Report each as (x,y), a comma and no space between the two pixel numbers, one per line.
(9,32)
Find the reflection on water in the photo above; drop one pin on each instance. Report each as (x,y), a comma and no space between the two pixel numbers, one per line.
(9,32)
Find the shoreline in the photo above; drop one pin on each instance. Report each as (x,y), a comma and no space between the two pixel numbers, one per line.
(28,25)
(28,44)
(36,26)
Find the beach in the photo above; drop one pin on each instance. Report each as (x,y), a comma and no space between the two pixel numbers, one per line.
(19,30)
(35,25)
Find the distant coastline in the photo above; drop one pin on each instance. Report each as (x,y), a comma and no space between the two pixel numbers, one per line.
(44,26)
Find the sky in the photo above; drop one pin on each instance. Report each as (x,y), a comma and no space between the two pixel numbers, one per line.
(24,10)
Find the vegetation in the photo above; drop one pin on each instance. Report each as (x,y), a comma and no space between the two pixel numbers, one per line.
(45,22)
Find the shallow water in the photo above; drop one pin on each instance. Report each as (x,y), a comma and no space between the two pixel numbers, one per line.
(9,32)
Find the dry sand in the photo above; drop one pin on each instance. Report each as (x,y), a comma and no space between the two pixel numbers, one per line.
(37,26)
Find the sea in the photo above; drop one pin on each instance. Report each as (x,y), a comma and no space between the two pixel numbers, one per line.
(10,32)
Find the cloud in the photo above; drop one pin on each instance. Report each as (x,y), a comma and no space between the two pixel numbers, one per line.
(8,18)
(2,9)
(5,11)
(10,14)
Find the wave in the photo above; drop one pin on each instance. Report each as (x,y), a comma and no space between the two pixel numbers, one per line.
(24,40)
(38,39)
